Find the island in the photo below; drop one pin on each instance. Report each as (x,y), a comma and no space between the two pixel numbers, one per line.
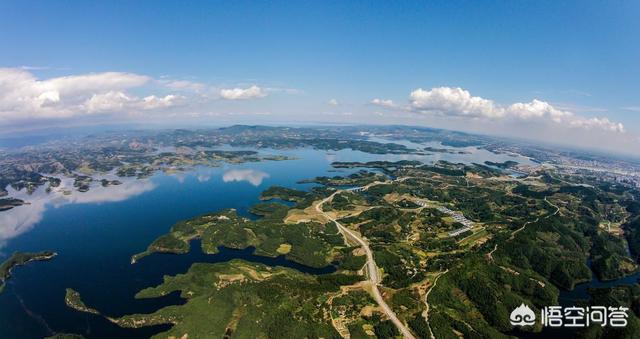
(21,258)
(72,299)
(503,165)
(444,150)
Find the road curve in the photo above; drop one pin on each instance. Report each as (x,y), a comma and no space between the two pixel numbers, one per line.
(372,269)
(425,314)
(513,234)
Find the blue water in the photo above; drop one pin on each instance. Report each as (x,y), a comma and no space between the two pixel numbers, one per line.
(96,233)
(95,242)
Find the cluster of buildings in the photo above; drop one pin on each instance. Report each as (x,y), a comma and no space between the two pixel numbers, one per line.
(467,224)
(357,189)
(608,169)
(628,180)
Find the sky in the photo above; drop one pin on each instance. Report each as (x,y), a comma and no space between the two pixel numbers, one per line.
(565,72)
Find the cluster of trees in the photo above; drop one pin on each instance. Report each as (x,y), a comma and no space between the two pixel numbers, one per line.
(401,267)
(444,170)
(20,258)
(609,256)
(359,178)
(552,249)
(284,193)
(632,227)
(506,164)
(476,285)
(344,201)
(625,296)
(349,261)
(378,223)
(311,242)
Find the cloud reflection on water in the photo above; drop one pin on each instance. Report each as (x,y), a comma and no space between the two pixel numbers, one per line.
(254,177)
(21,219)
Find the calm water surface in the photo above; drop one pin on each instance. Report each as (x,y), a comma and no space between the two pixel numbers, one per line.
(95,233)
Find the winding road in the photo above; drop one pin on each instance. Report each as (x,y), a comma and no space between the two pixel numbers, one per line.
(513,235)
(372,268)
(425,313)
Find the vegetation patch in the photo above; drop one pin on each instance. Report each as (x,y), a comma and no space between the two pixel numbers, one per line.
(20,258)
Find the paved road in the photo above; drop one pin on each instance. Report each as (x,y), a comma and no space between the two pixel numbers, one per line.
(372,269)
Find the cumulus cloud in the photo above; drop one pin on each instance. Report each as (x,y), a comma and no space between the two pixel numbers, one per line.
(153,102)
(454,101)
(458,102)
(113,101)
(28,101)
(598,123)
(107,102)
(25,97)
(333,102)
(537,109)
(540,110)
(242,93)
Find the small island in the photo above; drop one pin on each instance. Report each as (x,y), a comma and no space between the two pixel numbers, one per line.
(21,258)
(444,150)
(503,165)
(73,300)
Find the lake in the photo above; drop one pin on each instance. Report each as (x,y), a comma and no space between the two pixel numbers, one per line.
(96,233)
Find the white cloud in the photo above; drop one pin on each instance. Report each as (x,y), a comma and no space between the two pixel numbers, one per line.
(333,102)
(153,102)
(50,96)
(537,109)
(183,85)
(598,123)
(242,93)
(94,82)
(453,101)
(118,101)
(541,110)
(384,103)
(107,102)
(30,102)
(23,97)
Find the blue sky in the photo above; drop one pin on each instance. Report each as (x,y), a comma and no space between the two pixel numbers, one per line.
(322,61)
